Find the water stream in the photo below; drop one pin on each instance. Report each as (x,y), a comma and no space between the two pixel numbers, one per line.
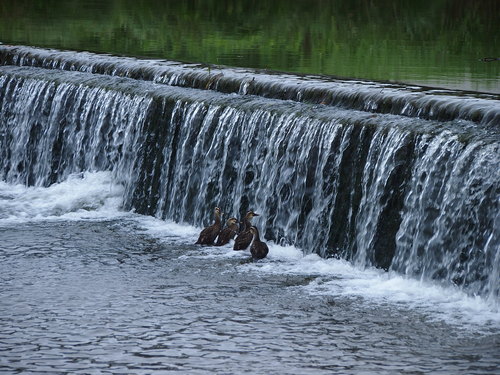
(380,203)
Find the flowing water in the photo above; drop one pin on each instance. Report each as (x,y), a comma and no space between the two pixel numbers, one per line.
(87,288)
(380,204)
(438,43)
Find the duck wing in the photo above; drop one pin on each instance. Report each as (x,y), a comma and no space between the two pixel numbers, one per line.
(208,235)
(225,236)
(242,241)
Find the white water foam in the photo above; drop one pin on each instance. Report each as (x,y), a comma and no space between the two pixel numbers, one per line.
(167,230)
(94,196)
(339,278)
(88,195)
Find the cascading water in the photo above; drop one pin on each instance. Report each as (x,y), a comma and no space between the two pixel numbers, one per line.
(411,101)
(378,178)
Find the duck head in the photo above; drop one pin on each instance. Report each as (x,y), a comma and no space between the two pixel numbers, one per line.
(255,232)
(250,215)
(231,221)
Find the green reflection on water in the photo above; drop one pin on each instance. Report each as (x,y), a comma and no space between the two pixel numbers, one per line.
(433,42)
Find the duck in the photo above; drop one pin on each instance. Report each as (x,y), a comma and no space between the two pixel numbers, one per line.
(228,233)
(243,240)
(259,249)
(210,233)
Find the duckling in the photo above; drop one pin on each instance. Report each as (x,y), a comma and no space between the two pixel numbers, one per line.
(259,248)
(228,232)
(244,239)
(208,235)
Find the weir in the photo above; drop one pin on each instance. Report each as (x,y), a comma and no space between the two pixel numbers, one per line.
(411,101)
(402,178)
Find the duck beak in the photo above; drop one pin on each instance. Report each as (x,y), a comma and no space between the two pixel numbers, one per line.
(254,214)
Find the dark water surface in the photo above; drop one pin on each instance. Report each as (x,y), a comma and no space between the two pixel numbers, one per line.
(104,297)
(431,42)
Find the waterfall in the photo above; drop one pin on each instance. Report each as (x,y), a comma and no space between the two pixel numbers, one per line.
(411,101)
(411,191)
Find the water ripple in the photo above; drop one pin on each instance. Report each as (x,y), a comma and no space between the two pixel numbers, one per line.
(110,300)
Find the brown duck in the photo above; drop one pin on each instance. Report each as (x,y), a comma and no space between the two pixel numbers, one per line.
(228,232)
(244,239)
(209,234)
(259,249)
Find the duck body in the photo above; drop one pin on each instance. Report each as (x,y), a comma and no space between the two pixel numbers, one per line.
(228,233)
(259,249)
(210,233)
(243,240)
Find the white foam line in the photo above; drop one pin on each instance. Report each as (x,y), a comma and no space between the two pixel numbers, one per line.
(81,196)
(336,277)
(167,229)
(340,278)
(94,196)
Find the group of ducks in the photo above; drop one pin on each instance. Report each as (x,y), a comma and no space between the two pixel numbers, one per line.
(215,235)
